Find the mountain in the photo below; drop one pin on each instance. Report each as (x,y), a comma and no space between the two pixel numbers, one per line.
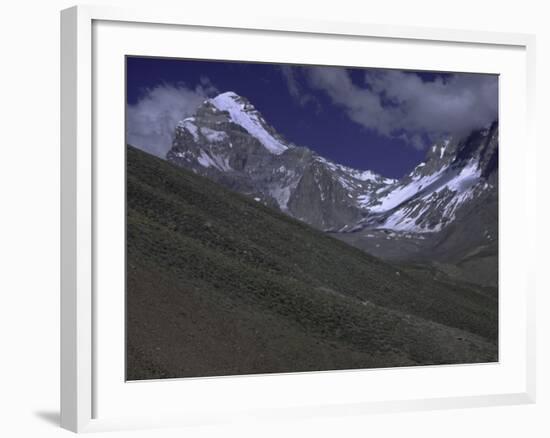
(455,172)
(442,210)
(220,284)
(229,141)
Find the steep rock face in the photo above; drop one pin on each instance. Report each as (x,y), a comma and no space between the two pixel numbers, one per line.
(322,199)
(456,172)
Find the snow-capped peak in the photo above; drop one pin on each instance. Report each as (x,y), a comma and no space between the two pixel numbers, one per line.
(227,139)
(244,114)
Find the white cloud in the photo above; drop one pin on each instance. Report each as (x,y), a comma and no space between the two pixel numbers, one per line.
(457,104)
(401,105)
(150,123)
(295,89)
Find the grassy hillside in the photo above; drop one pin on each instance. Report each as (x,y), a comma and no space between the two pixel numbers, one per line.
(218,284)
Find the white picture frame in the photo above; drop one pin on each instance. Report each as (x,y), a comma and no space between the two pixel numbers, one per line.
(82,369)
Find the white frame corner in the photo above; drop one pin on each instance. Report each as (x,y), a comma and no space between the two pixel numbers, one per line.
(77,197)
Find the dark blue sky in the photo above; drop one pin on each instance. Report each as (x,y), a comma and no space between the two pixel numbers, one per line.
(316,121)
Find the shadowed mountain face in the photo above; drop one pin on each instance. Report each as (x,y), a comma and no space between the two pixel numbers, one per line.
(444,212)
(220,284)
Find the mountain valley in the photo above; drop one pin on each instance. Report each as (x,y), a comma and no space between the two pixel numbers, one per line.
(444,212)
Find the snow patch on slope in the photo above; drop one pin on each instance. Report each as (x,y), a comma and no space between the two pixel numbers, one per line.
(404,219)
(213,136)
(427,191)
(249,120)
(189,125)
(206,160)
(403,193)
(282,196)
(361,175)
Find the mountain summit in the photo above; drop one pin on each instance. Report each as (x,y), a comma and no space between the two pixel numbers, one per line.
(229,141)
(242,113)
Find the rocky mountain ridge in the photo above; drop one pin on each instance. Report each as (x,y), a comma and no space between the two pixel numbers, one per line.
(455,172)
(229,141)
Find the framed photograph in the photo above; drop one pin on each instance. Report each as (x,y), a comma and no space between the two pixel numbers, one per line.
(267,218)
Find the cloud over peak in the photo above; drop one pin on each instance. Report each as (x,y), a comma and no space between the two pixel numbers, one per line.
(400,104)
(151,121)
